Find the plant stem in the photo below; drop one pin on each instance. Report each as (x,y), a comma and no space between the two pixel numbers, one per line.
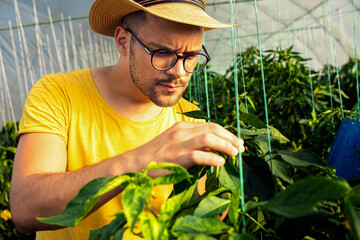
(257,223)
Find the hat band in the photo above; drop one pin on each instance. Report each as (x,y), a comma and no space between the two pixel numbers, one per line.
(147,3)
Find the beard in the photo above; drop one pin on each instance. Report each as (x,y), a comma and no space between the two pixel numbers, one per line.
(150,86)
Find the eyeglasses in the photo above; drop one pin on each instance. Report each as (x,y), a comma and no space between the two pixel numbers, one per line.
(164,59)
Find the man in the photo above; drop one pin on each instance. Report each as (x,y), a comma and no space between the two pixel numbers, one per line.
(107,121)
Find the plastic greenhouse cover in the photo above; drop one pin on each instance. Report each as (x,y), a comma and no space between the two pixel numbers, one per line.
(321,30)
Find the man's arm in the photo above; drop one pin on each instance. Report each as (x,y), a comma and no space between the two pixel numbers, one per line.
(41,186)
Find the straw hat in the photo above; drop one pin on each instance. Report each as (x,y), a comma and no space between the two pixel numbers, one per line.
(106,15)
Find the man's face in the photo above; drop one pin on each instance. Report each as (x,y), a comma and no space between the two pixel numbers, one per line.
(164,88)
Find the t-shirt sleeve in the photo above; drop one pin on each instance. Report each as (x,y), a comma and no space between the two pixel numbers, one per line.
(46,109)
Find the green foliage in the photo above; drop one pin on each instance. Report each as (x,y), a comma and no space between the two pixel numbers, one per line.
(287,86)
(304,116)
(7,153)
(300,198)
(7,228)
(7,134)
(309,190)
(347,79)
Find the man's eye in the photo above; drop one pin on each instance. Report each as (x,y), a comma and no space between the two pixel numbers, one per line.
(192,56)
(164,53)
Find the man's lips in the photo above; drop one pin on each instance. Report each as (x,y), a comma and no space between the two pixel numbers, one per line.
(170,87)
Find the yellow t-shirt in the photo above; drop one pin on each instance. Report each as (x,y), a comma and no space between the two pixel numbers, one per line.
(69,105)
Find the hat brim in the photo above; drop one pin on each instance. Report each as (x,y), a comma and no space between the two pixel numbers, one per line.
(105,15)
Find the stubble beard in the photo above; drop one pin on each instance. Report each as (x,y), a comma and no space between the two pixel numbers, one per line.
(148,86)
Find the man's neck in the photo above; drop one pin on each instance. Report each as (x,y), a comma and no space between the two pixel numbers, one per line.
(116,88)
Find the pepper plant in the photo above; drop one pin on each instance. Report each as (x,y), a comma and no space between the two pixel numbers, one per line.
(292,194)
(298,96)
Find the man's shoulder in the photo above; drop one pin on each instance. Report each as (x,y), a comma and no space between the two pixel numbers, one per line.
(67,77)
(52,86)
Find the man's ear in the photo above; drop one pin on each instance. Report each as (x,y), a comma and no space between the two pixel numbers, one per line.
(122,40)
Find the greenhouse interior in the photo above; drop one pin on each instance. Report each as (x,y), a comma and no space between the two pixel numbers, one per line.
(285,78)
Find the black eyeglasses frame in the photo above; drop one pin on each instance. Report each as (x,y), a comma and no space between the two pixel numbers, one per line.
(152,53)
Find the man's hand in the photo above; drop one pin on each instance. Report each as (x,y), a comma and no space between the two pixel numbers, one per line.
(187,144)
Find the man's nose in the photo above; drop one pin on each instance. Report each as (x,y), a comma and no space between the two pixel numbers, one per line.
(178,70)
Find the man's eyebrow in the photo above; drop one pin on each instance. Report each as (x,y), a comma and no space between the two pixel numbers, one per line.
(155,46)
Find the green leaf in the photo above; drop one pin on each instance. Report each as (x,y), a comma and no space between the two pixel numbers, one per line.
(300,198)
(211,206)
(147,227)
(212,181)
(82,203)
(263,143)
(354,196)
(258,180)
(302,158)
(242,236)
(191,196)
(281,170)
(119,234)
(179,173)
(195,236)
(234,207)
(245,133)
(229,176)
(197,114)
(134,200)
(250,205)
(152,229)
(353,216)
(278,135)
(252,120)
(193,224)
(170,207)
(274,133)
(108,231)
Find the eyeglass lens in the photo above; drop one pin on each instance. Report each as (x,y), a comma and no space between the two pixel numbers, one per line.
(163,60)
